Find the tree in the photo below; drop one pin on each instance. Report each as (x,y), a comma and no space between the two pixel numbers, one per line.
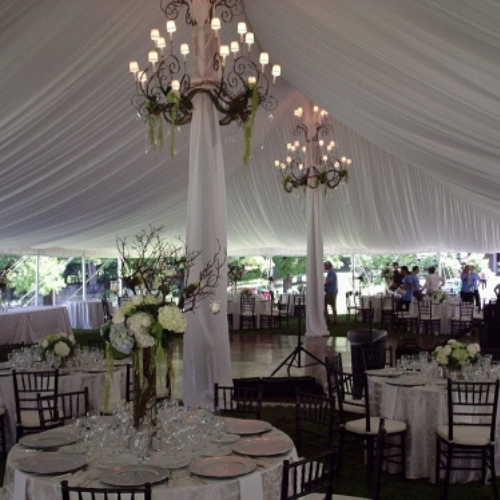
(23,277)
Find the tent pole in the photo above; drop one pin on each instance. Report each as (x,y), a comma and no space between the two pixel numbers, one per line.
(84,279)
(37,279)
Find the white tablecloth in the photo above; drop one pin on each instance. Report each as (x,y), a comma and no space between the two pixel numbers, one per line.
(423,408)
(262,306)
(85,314)
(183,488)
(74,381)
(30,324)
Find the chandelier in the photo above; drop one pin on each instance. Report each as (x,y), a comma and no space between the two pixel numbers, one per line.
(235,84)
(312,162)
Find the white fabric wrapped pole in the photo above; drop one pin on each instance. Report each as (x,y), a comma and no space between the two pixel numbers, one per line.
(206,344)
(315,319)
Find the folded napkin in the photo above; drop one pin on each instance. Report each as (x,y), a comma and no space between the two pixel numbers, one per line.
(251,487)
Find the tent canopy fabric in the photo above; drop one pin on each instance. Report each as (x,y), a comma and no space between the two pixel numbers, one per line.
(413,89)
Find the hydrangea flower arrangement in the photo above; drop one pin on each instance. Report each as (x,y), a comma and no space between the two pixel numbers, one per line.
(455,354)
(143,322)
(439,296)
(60,344)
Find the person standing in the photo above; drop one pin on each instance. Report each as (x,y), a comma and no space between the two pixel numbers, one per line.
(474,280)
(287,283)
(433,282)
(466,294)
(407,287)
(397,277)
(331,291)
(417,292)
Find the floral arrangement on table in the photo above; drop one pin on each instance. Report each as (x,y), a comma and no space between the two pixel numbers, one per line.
(453,355)
(234,275)
(301,288)
(387,275)
(439,296)
(145,326)
(247,293)
(58,344)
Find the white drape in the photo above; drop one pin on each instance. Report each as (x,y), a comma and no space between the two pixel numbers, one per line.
(315,319)
(206,343)
(414,87)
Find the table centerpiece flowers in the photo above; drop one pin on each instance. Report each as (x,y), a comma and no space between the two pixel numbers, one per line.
(453,355)
(439,296)
(159,276)
(62,345)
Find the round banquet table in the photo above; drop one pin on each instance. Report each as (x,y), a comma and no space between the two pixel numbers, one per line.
(262,484)
(69,381)
(423,408)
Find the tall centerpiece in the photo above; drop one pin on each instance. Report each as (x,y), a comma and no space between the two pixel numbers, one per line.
(454,355)
(158,275)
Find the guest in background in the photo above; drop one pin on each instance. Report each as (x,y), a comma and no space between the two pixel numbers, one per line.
(483,280)
(287,283)
(474,285)
(397,277)
(331,291)
(466,294)
(433,282)
(407,288)
(417,291)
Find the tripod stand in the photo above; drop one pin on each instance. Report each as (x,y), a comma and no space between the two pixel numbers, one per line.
(294,359)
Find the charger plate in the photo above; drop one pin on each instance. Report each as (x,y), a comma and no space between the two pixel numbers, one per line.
(134,475)
(222,467)
(406,381)
(52,463)
(247,427)
(263,446)
(46,440)
(385,372)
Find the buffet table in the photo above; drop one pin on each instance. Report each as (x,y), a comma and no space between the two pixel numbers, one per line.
(31,324)
(68,382)
(85,314)
(423,408)
(261,481)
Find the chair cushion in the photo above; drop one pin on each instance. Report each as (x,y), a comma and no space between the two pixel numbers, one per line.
(349,407)
(359,426)
(468,435)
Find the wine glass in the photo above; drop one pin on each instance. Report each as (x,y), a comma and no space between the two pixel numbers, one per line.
(139,442)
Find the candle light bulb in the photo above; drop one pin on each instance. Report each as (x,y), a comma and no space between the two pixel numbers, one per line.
(242,29)
(337,164)
(304,149)
(349,161)
(235,48)
(276,163)
(276,71)
(315,109)
(289,145)
(325,158)
(215,24)
(153,57)
(176,85)
(171,29)
(184,50)
(321,142)
(343,159)
(155,34)
(144,79)
(133,66)
(252,80)
(224,52)
(289,159)
(264,60)
(249,40)
(296,143)
(161,43)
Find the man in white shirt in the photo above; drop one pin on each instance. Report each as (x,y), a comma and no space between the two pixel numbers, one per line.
(433,282)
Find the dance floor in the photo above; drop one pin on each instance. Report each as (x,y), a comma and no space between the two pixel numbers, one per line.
(258,355)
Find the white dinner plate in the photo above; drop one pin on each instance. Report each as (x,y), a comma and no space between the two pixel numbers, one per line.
(176,461)
(385,372)
(46,440)
(134,475)
(406,381)
(247,427)
(228,439)
(263,446)
(222,467)
(216,451)
(73,449)
(52,463)
(111,462)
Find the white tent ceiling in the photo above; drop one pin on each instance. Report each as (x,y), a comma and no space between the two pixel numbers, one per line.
(414,87)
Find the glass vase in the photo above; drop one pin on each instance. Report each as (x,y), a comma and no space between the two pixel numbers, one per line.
(144,399)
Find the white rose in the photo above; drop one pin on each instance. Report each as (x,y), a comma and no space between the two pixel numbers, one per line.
(61,349)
